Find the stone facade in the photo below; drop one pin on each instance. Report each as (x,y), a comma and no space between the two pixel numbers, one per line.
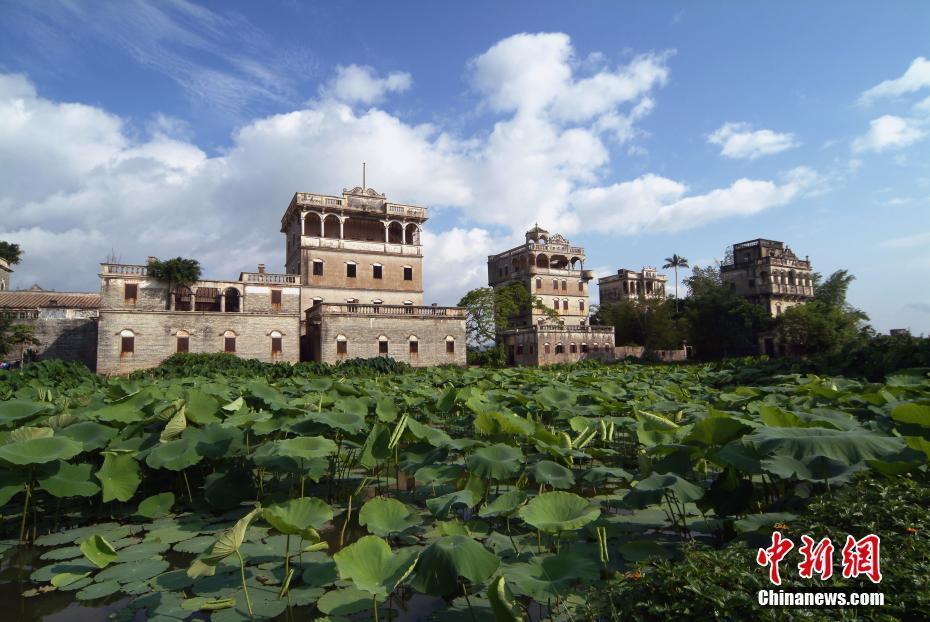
(65,324)
(769,274)
(550,344)
(552,270)
(631,285)
(419,336)
(156,335)
(5,272)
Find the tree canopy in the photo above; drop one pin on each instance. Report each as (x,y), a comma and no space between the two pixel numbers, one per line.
(11,252)
(489,311)
(648,322)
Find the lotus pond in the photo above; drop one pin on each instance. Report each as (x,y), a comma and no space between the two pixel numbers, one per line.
(433,494)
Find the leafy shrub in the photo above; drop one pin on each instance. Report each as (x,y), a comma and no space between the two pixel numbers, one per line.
(183,365)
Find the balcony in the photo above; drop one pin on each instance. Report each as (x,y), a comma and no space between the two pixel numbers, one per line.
(325,308)
(413,250)
(269,278)
(306,199)
(782,288)
(124,269)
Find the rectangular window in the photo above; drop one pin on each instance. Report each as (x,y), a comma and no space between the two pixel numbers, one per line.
(276,346)
(581,304)
(555,304)
(564,305)
(450,347)
(229,344)
(414,347)
(580,286)
(520,348)
(564,285)
(184,344)
(342,347)
(560,349)
(376,271)
(127,345)
(276,299)
(584,348)
(130,292)
(317,268)
(350,270)
(574,348)
(555,284)
(382,347)
(538,283)
(546,348)
(408,274)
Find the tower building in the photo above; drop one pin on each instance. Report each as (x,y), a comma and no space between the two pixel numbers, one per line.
(768,273)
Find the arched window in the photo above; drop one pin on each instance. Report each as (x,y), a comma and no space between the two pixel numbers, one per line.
(342,346)
(184,341)
(382,345)
(559,348)
(574,348)
(414,344)
(232,301)
(277,344)
(229,342)
(450,344)
(546,348)
(127,343)
(584,348)
(565,304)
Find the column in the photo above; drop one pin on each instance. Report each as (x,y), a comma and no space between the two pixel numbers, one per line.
(222,301)
(342,222)
(386,226)
(403,234)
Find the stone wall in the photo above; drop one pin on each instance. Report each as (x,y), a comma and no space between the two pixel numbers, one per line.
(67,337)
(155,336)
(335,273)
(362,334)
(548,347)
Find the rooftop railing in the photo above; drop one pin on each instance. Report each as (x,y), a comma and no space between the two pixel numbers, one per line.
(124,268)
(350,308)
(268,277)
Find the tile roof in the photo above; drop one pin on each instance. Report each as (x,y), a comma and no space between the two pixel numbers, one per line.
(36,299)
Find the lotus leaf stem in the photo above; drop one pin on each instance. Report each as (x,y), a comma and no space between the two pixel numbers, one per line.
(245,589)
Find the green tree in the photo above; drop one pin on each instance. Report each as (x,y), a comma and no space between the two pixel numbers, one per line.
(675,262)
(647,322)
(14,336)
(828,324)
(718,322)
(489,311)
(11,252)
(177,272)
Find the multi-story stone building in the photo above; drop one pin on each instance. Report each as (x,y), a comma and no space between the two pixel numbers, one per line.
(768,273)
(553,271)
(5,272)
(631,285)
(353,287)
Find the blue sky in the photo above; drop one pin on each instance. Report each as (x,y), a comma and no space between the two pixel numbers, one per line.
(637,129)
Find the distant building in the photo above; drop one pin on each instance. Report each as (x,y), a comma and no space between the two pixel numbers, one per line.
(65,324)
(5,272)
(768,273)
(631,285)
(899,332)
(553,271)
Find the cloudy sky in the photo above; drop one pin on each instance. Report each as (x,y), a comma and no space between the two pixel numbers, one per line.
(635,129)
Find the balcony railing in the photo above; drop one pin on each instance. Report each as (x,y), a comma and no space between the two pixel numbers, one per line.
(327,308)
(267,277)
(393,209)
(361,245)
(125,269)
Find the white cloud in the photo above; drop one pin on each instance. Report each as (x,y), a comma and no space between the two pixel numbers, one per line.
(916,77)
(76,183)
(916,240)
(357,84)
(923,106)
(889,132)
(739,140)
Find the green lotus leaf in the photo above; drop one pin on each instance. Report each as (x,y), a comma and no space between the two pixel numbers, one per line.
(551,576)
(551,474)
(384,516)
(227,544)
(98,551)
(202,603)
(306,447)
(762,522)
(505,609)
(377,446)
(156,506)
(40,450)
(143,550)
(504,505)
(216,441)
(909,412)
(346,602)
(600,474)
(174,455)
(12,482)
(119,477)
(175,427)
(495,462)
(201,408)
(652,490)
(98,590)
(69,480)
(437,474)
(172,581)
(448,558)
(12,411)
(93,435)
(299,516)
(442,505)
(26,433)
(319,572)
(639,550)
(225,490)
(433,436)
(127,572)
(123,412)
(63,579)
(848,447)
(372,567)
(386,409)
(555,512)
(349,422)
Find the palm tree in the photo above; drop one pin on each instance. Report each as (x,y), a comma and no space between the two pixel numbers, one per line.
(675,262)
(175,272)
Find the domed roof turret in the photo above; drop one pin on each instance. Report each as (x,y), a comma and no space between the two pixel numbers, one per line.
(537,232)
